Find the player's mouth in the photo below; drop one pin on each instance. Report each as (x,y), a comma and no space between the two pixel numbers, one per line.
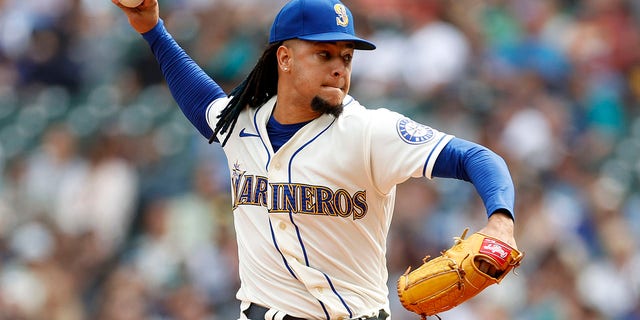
(331,88)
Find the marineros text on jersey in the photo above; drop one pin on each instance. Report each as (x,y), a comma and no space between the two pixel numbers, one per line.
(296,198)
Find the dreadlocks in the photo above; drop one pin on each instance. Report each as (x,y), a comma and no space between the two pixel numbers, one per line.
(254,91)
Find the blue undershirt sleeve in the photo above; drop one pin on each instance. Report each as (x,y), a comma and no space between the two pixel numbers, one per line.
(190,86)
(487,171)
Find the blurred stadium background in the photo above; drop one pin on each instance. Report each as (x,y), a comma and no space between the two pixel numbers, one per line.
(112,207)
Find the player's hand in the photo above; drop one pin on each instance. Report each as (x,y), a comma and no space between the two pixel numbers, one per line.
(500,226)
(143,17)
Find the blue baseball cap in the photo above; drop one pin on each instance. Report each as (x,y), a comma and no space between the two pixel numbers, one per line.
(316,20)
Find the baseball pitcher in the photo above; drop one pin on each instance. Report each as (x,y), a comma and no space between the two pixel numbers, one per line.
(314,173)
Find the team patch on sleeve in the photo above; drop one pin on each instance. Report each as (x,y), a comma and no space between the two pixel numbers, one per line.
(414,133)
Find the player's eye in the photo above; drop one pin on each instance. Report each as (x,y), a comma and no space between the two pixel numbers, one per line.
(347,58)
(324,55)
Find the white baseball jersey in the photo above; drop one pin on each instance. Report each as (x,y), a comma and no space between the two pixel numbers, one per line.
(312,219)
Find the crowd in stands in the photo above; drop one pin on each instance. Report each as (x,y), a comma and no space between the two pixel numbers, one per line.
(112,207)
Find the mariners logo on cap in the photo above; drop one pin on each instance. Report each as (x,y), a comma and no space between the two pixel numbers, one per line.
(343,17)
(414,133)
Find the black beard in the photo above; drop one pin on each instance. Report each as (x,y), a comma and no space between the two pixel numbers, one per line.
(324,107)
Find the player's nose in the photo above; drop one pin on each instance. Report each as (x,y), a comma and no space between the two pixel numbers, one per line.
(339,70)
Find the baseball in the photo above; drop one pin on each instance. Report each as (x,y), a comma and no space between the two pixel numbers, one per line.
(131,3)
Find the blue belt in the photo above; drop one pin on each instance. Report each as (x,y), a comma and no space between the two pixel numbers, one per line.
(256,312)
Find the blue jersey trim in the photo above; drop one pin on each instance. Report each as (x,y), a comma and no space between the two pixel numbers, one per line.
(206,117)
(280,133)
(344,303)
(304,251)
(426,163)
(326,313)
(275,243)
(255,124)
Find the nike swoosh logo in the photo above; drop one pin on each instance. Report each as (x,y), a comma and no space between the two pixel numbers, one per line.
(245,134)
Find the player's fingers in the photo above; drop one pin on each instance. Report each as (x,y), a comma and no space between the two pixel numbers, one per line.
(483,266)
(143,17)
(145,4)
(487,268)
(122,7)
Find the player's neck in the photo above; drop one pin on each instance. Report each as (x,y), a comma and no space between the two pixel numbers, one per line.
(290,112)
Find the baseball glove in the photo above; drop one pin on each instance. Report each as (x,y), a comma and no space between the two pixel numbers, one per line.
(454,277)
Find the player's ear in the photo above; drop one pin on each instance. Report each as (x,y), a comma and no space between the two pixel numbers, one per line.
(283,55)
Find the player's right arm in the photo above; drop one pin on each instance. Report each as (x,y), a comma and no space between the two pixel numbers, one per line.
(190,86)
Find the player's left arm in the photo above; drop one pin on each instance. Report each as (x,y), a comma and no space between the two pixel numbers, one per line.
(489,174)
